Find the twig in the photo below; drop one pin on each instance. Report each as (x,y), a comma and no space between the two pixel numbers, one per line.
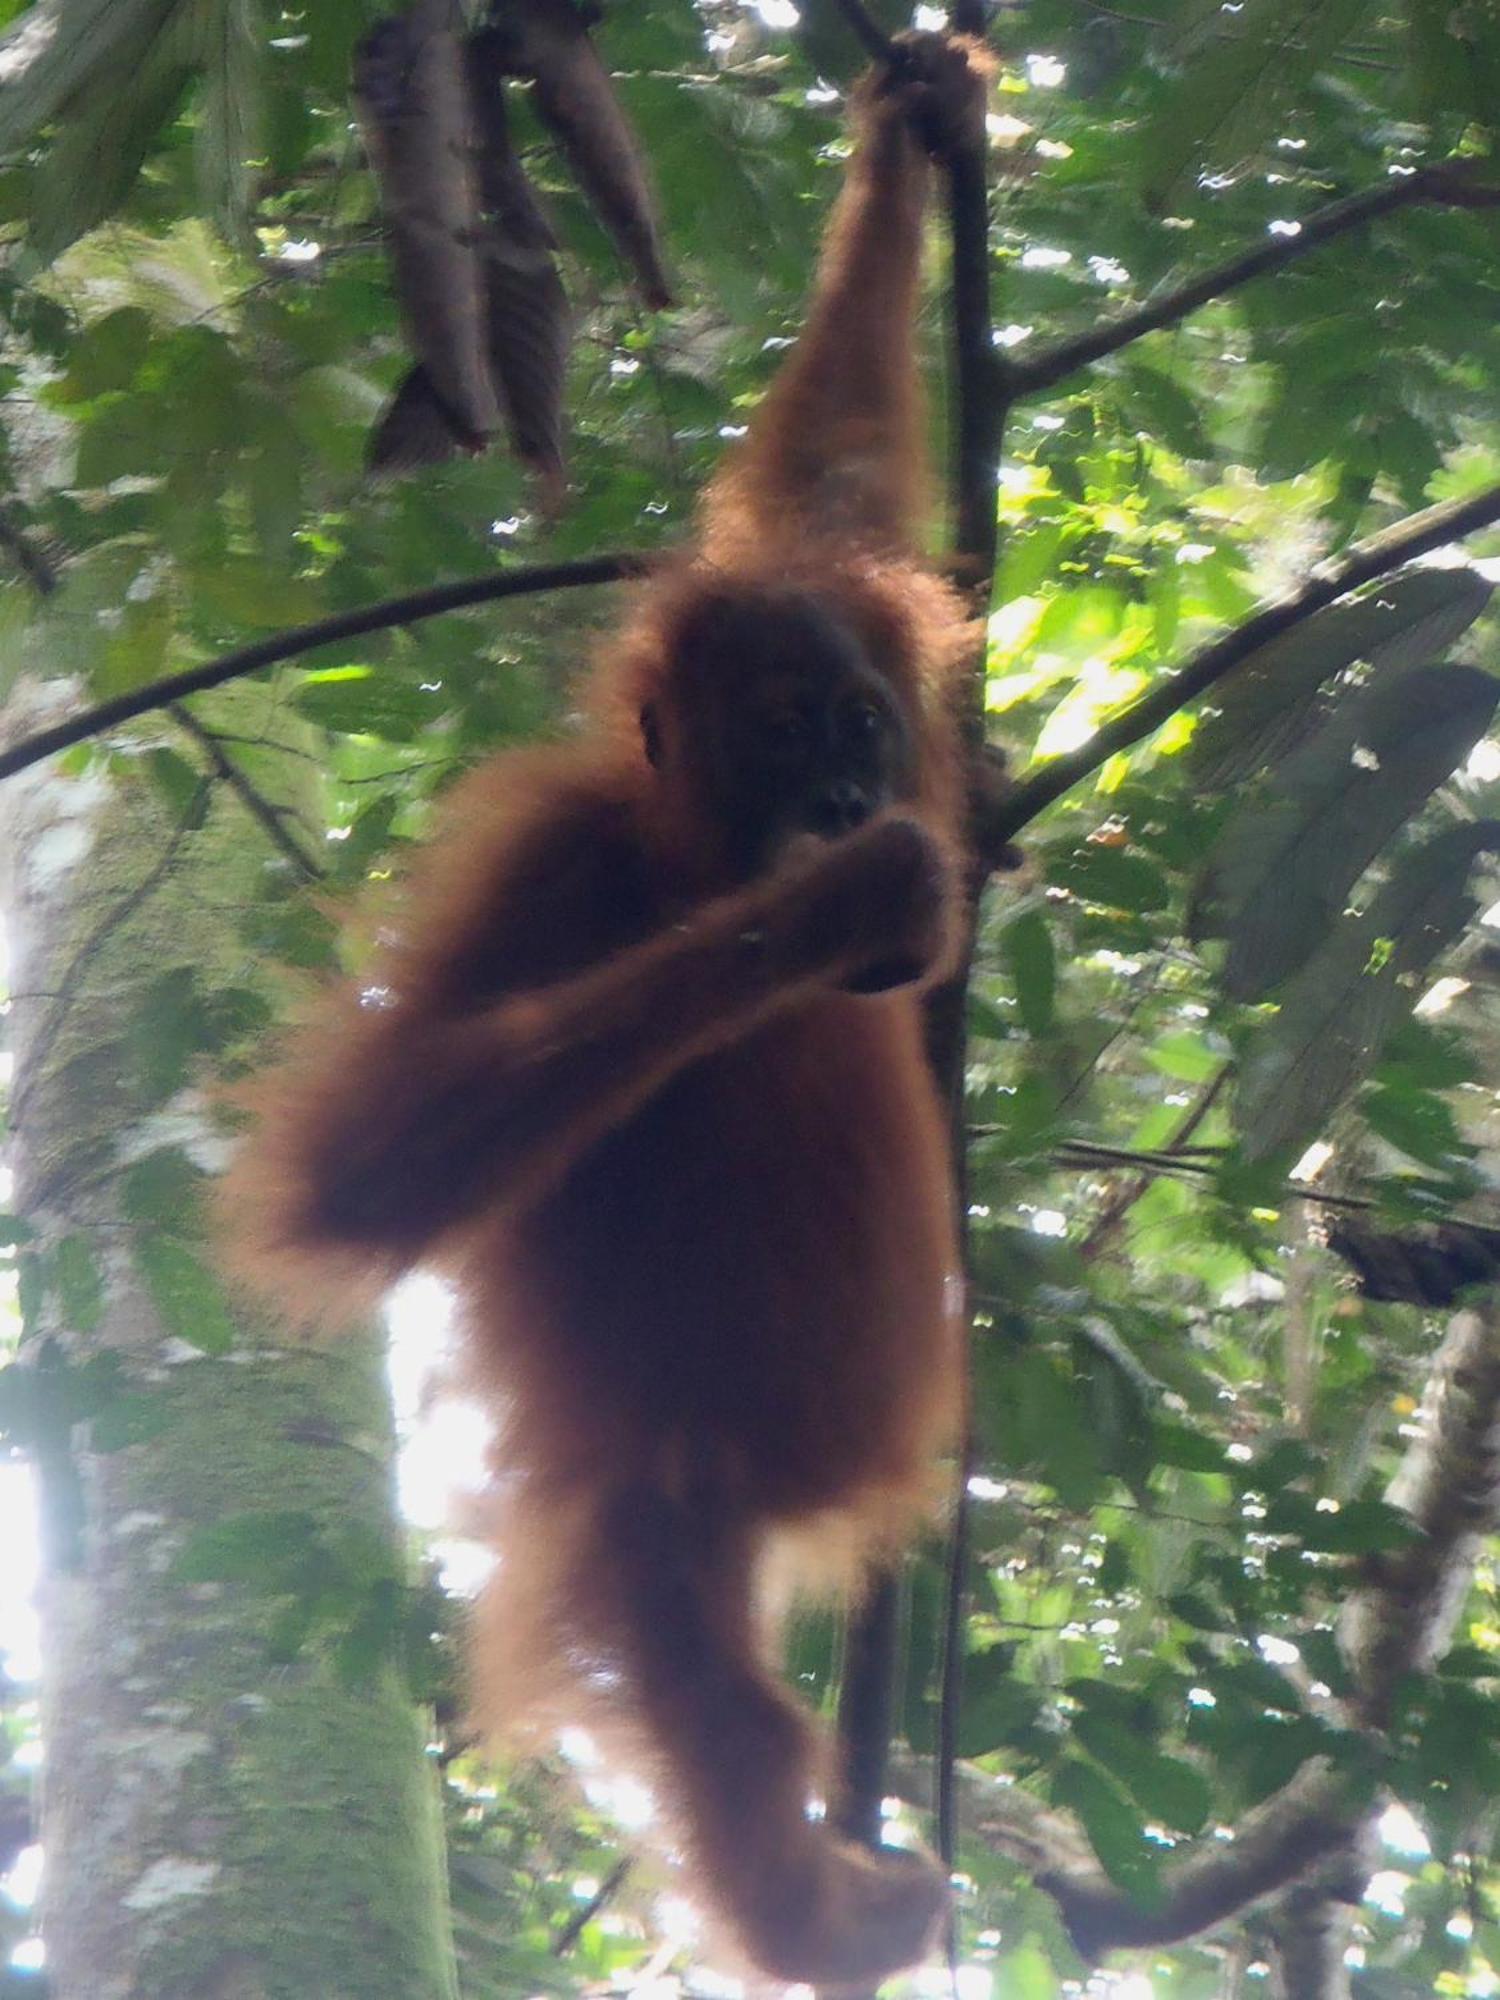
(1417,535)
(1452,182)
(259,808)
(300,639)
(1125,1196)
(582,1917)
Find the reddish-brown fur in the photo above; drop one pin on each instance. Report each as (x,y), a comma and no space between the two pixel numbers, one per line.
(692,1191)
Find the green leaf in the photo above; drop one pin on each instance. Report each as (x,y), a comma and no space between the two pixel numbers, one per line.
(1113,1827)
(1166,411)
(184,788)
(1186,1056)
(267,1549)
(1419,1124)
(1337,1011)
(129,1420)
(1026,1974)
(1110,878)
(107,355)
(1170,1790)
(186,1294)
(60,46)
(226,139)
(162,1189)
(1281,870)
(996,1705)
(79,1289)
(1268,703)
(1026,946)
(105,135)
(1240,77)
(365,703)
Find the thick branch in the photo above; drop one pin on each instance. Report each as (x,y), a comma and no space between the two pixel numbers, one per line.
(1451,182)
(1402,1620)
(1418,535)
(301,639)
(1399,1622)
(1310,1819)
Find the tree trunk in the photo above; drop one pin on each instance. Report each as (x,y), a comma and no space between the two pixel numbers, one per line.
(217,1826)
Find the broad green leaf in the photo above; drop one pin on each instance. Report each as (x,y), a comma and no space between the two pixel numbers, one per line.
(1420,1123)
(1026,1974)
(1170,1790)
(107,355)
(162,1190)
(996,1704)
(1186,1056)
(186,1294)
(59,46)
(1337,1011)
(1226,100)
(1113,1827)
(1166,411)
(1026,945)
(267,1549)
(184,788)
(129,1420)
(1268,703)
(1281,870)
(78,1286)
(1105,875)
(104,136)
(227,135)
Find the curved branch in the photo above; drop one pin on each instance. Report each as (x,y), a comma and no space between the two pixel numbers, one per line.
(1417,535)
(1275,1845)
(1450,182)
(299,639)
(1399,1622)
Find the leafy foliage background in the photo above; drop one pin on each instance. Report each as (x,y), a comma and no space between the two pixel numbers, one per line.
(1187,1417)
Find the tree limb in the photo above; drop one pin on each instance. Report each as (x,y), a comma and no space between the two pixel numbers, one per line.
(1399,1622)
(1418,534)
(1450,182)
(1402,1620)
(300,639)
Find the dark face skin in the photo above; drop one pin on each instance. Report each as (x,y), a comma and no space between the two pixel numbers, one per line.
(784,726)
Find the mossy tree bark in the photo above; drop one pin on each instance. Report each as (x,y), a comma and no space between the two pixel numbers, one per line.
(217,1825)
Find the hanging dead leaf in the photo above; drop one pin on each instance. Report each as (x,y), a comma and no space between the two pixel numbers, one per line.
(412,96)
(1281,870)
(1278,696)
(548,41)
(1337,1012)
(527,321)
